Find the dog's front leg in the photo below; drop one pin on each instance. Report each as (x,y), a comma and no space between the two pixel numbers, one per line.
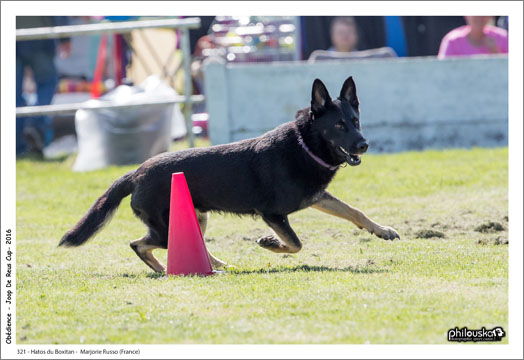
(333,206)
(286,241)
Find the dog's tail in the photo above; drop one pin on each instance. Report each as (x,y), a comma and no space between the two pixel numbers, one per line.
(100,212)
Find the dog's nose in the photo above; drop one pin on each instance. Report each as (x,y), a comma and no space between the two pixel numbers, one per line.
(363,146)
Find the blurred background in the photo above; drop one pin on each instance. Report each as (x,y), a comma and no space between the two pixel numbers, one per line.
(118,90)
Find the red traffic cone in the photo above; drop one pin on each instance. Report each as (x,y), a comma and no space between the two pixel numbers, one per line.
(186,251)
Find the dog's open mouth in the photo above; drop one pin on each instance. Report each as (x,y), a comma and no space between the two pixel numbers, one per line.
(352,159)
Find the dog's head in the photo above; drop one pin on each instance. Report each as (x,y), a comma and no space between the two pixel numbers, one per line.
(338,122)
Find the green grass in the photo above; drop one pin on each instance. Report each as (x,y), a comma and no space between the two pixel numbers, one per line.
(345,286)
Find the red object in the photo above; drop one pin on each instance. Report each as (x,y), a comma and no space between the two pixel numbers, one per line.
(117,56)
(96,90)
(186,250)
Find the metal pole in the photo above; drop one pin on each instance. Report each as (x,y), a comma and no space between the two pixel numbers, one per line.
(97,105)
(188,86)
(108,28)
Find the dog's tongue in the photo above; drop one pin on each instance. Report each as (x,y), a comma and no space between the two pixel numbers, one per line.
(353,160)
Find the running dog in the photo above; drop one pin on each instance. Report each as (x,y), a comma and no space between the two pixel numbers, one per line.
(282,171)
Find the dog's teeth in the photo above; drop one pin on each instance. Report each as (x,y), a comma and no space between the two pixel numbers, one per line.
(343,150)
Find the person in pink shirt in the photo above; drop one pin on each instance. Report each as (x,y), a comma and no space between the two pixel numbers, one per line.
(477,37)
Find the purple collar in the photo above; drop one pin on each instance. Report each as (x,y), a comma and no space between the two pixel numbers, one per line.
(313,156)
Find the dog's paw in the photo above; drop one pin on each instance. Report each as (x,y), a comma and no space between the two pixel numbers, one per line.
(222,265)
(386,233)
(270,242)
(218,264)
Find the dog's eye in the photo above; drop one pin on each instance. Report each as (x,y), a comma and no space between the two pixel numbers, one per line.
(340,126)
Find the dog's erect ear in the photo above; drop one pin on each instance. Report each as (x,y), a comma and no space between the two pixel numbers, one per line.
(349,92)
(319,97)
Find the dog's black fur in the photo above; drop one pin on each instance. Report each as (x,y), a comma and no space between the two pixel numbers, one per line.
(271,175)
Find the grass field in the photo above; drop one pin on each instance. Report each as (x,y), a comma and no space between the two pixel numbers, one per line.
(345,286)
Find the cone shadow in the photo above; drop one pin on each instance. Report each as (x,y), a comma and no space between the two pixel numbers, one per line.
(309,268)
(272,270)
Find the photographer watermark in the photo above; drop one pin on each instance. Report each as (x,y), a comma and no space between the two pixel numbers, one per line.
(465,334)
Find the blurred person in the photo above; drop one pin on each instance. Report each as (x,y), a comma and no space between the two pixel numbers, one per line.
(477,37)
(344,35)
(422,34)
(36,132)
(203,44)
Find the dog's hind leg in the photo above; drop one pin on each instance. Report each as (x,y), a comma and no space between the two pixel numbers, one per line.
(202,221)
(333,206)
(287,241)
(144,249)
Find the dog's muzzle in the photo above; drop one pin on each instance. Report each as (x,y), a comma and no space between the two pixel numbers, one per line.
(351,159)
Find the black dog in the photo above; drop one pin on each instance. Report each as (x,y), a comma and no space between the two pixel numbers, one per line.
(285,170)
